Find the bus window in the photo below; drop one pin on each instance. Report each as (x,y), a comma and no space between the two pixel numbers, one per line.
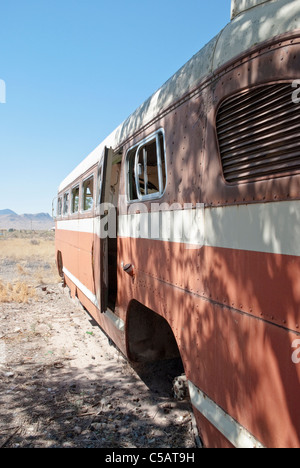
(66,203)
(88,194)
(59,207)
(75,199)
(146,168)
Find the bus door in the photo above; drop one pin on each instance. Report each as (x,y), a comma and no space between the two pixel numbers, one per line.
(104,222)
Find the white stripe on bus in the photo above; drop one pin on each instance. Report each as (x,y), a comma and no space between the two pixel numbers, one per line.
(236,434)
(264,227)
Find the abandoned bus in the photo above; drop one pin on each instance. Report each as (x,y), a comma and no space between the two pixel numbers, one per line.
(180,232)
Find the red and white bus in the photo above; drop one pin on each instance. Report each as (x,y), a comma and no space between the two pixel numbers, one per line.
(180,232)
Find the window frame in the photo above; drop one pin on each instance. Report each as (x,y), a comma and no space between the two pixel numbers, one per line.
(65,213)
(155,136)
(83,210)
(72,199)
(99,183)
(59,203)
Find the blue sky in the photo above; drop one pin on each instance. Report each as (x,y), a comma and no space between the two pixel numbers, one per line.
(74,70)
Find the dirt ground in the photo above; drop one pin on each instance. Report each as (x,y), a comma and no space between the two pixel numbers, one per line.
(63,384)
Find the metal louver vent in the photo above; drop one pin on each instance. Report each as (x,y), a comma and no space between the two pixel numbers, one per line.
(259,134)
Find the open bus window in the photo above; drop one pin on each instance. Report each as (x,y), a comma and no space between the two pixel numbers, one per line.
(146,169)
(66,203)
(88,194)
(75,199)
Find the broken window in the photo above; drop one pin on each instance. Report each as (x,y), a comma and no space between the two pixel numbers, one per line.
(146,168)
(75,199)
(88,194)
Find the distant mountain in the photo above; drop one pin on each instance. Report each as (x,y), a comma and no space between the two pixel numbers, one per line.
(37,222)
(7,212)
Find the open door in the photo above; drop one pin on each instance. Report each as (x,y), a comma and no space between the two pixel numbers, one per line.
(104,222)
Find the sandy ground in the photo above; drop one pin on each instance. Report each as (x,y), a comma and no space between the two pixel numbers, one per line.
(63,384)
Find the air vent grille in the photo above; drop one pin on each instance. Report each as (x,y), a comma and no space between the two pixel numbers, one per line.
(259,134)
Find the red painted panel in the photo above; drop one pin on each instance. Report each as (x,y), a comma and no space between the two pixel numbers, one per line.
(261,284)
(244,363)
(209,435)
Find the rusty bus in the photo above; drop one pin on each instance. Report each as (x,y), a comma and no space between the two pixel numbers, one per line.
(180,232)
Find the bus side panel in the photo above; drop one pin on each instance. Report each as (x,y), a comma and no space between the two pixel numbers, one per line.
(209,435)
(258,283)
(242,362)
(249,373)
(77,258)
(67,244)
(85,260)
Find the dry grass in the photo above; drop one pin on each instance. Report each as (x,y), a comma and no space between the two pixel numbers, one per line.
(19,292)
(26,260)
(24,249)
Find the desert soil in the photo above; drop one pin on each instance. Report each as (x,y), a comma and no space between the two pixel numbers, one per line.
(63,384)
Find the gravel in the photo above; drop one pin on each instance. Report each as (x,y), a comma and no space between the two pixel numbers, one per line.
(63,385)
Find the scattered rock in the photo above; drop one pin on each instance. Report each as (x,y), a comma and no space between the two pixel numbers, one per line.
(77,430)
(97,426)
